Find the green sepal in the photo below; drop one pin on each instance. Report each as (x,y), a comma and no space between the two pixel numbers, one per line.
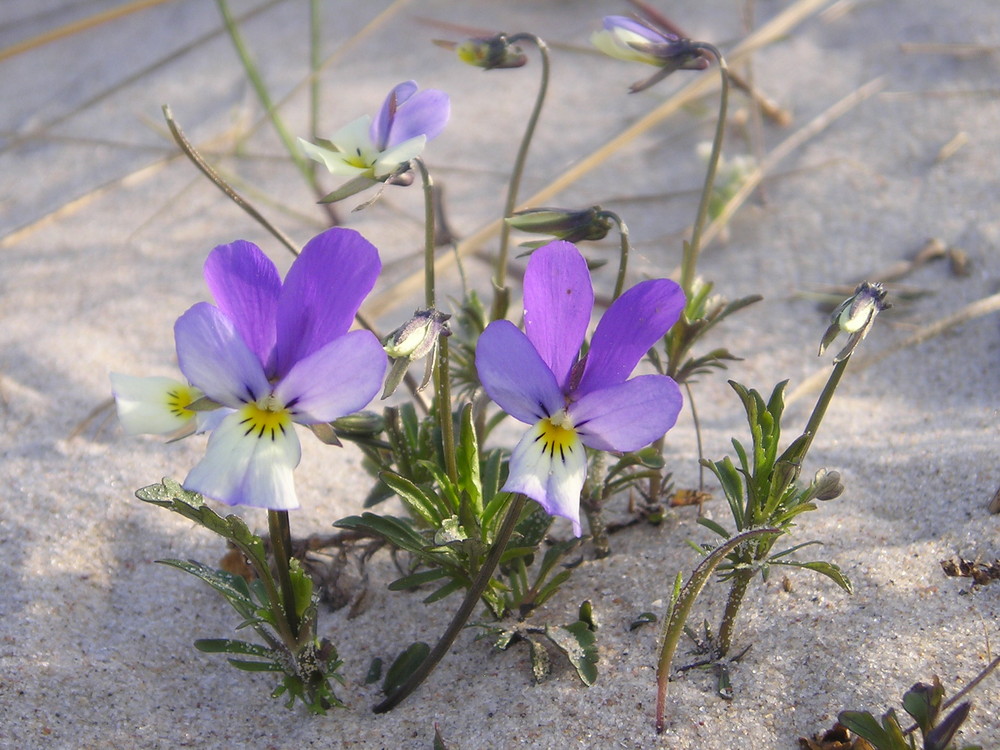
(352,187)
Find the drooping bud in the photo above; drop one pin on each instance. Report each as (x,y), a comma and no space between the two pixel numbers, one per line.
(573,226)
(491,52)
(635,40)
(855,316)
(416,338)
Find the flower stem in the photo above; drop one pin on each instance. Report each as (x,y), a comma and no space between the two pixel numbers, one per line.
(693,248)
(464,612)
(429,291)
(500,273)
(626,246)
(281,544)
(819,411)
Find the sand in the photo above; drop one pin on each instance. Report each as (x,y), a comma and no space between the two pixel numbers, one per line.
(103,231)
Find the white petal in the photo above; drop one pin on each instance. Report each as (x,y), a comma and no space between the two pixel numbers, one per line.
(390,160)
(242,467)
(152,406)
(550,476)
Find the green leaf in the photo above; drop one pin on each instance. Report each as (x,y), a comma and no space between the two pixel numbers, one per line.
(941,736)
(374,671)
(233,587)
(229,646)
(446,590)
(643,618)
(469,479)
(302,587)
(417,579)
(579,644)
(923,703)
(541,666)
(171,495)
(256,666)
(404,665)
(866,726)
(708,523)
(831,571)
(397,531)
(422,504)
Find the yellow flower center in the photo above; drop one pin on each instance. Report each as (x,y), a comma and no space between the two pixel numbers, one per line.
(557,435)
(266,418)
(180,398)
(359,159)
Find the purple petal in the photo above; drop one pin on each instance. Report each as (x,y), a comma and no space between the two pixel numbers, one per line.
(426,113)
(341,378)
(552,479)
(245,285)
(513,374)
(635,27)
(241,467)
(558,300)
(634,322)
(381,127)
(627,416)
(214,358)
(322,293)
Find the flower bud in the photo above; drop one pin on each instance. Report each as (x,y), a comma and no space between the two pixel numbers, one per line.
(855,316)
(361,423)
(491,52)
(572,226)
(826,485)
(416,338)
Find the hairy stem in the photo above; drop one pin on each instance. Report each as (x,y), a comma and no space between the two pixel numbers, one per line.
(737,591)
(281,545)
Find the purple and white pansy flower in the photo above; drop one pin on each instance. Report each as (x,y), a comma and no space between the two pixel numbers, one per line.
(570,402)
(375,149)
(272,354)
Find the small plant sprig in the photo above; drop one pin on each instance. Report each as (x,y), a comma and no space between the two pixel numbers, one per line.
(926,705)
(278,602)
(765,498)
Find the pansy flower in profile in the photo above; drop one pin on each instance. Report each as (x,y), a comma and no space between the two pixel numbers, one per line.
(271,354)
(377,149)
(633,40)
(570,402)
